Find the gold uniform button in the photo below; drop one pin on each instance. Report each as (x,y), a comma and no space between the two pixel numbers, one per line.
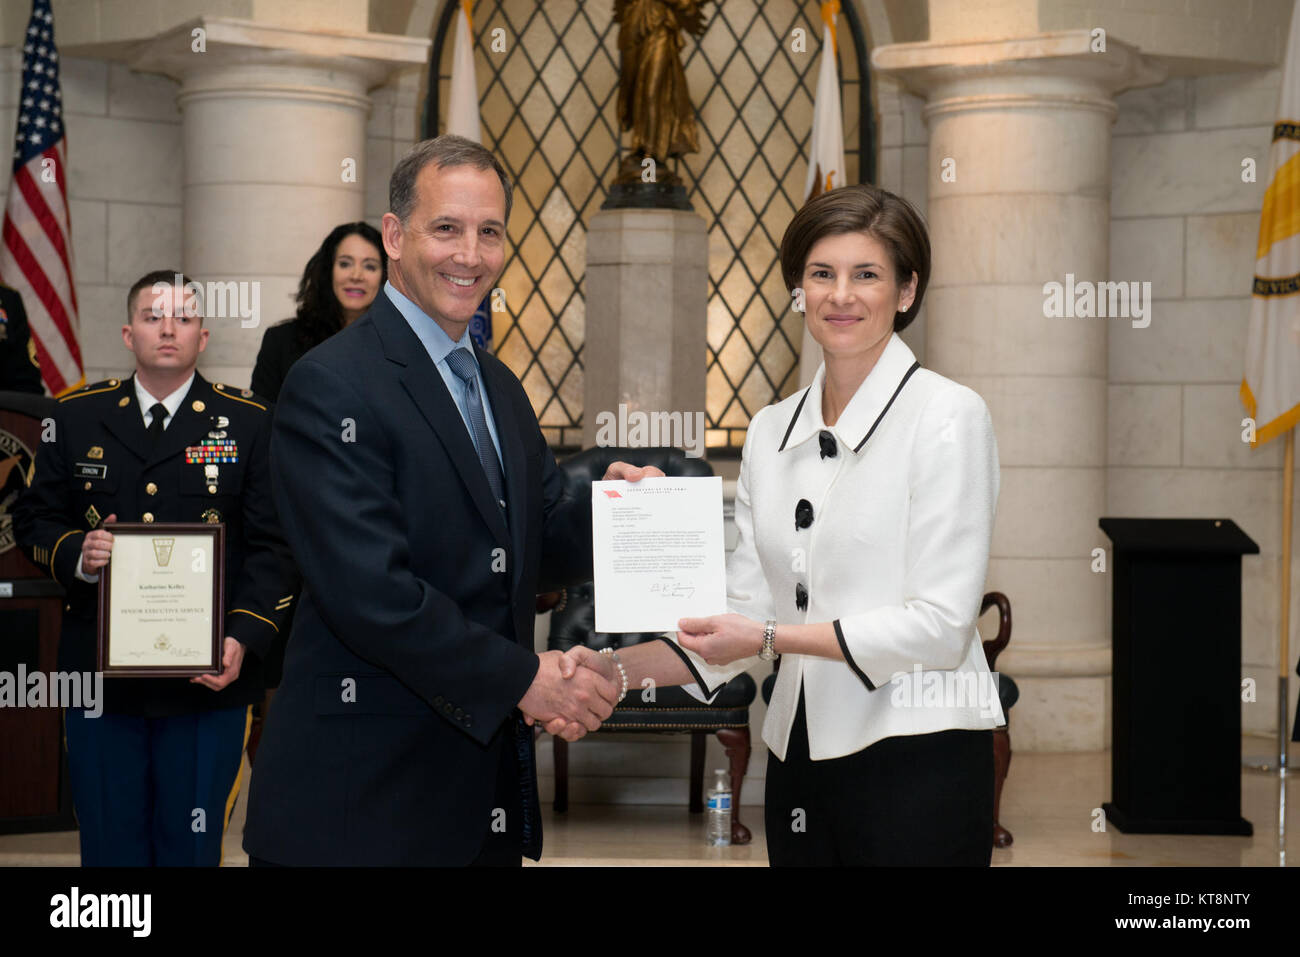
(87,486)
(147,517)
(112,382)
(197,405)
(123,402)
(151,489)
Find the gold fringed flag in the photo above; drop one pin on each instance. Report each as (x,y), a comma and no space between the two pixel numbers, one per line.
(1270,389)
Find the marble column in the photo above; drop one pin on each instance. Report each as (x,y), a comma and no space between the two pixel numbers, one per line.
(647,299)
(1019,196)
(274,126)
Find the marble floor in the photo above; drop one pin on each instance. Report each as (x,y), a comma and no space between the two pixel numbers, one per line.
(1050,804)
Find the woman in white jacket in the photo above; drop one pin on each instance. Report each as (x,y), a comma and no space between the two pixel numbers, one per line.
(865,509)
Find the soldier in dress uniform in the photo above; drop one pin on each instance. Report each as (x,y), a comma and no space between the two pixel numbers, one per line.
(19,370)
(164,445)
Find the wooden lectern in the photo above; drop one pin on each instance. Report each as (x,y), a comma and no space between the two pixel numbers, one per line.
(34,792)
(1176,675)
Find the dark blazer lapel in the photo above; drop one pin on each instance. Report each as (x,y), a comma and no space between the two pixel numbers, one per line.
(424,384)
(126,423)
(512,454)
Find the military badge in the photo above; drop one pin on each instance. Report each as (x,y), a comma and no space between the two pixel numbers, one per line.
(216,449)
(211,516)
(92,517)
(95,452)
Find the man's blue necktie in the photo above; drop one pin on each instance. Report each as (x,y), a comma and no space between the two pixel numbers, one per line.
(462,363)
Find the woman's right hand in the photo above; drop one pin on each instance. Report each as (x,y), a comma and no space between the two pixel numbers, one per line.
(97,548)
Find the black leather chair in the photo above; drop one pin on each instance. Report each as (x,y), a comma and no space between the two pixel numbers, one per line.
(671,710)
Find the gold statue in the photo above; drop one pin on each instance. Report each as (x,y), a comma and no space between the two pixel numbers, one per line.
(653,103)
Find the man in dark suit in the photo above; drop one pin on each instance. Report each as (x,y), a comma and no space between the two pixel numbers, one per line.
(164,445)
(19,370)
(425,511)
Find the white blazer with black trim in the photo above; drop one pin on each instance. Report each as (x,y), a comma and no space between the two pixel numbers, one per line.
(903,490)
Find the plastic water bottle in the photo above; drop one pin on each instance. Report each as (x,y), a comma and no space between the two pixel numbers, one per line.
(720,809)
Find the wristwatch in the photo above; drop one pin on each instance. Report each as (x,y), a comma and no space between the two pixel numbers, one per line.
(768,651)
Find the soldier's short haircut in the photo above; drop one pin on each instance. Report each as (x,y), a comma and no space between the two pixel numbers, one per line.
(159,277)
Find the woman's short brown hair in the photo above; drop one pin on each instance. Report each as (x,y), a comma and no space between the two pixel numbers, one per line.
(889,219)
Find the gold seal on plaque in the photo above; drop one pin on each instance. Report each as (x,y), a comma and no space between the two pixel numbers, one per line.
(162,550)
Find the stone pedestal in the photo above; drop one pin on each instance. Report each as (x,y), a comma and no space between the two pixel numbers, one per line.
(646,292)
(1019,196)
(274,152)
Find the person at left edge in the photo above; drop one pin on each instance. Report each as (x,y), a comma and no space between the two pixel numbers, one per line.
(19,369)
(164,445)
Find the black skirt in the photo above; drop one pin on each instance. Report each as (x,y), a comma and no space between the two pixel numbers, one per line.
(910,800)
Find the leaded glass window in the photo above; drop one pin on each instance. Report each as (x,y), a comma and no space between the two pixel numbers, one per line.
(548,108)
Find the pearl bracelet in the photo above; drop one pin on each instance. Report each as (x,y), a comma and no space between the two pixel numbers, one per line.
(622,672)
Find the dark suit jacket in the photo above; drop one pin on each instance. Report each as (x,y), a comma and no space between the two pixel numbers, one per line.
(413,638)
(99,463)
(280,349)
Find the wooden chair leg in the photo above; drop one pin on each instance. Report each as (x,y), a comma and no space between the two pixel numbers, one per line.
(736,743)
(1001,764)
(560,752)
(698,741)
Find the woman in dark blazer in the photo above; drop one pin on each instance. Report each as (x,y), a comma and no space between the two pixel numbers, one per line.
(340,282)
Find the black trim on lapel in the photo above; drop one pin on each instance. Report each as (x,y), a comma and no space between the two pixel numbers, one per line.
(423,383)
(126,422)
(794,418)
(497,384)
(858,447)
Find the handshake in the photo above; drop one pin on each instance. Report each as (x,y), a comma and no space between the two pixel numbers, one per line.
(573,692)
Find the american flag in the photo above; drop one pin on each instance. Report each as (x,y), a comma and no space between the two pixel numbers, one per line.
(36,258)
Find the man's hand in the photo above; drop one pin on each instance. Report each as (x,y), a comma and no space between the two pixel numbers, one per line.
(631,473)
(580,656)
(721,639)
(232,660)
(97,548)
(582,701)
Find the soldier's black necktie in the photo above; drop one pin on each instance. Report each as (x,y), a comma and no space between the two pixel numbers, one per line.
(159,413)
(462,363)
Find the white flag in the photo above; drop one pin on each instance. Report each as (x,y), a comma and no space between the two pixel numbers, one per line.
(462,110)
(1270,389)
(825,157)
